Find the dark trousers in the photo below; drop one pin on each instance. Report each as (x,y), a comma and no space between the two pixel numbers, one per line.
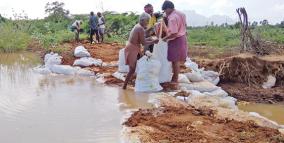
(92,32)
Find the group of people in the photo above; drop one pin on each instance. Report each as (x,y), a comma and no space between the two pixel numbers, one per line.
(173,24)
(96,25)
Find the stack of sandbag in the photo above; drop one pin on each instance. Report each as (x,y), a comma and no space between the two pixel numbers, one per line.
(81,52)
(216,99)
(50,60)
(122,67)
(87,61)
(202,87)
(52,64)
(198,74)
(147,80)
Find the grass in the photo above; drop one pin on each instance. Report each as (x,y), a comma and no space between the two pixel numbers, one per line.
(17,34)
(12,39)
(217,37)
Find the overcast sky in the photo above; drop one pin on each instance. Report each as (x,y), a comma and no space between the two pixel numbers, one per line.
(273,10)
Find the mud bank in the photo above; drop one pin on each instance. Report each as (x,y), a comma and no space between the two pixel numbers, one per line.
(242,77)
(180,122)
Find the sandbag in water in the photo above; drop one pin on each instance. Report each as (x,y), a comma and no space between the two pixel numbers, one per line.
(122,67)
(147,79)
(63,69)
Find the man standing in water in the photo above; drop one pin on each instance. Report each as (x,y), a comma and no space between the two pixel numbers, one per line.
(150,27)
(93,23)
(176,38)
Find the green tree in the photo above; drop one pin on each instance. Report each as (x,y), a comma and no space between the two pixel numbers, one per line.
(264,22)
(282,24)
(56,11)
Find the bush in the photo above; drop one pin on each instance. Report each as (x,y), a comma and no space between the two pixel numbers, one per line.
(12,39)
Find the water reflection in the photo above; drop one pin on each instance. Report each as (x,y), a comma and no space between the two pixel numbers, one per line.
(273,112)
(58,109)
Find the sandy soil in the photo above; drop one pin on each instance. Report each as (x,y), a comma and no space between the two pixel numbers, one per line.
(187,125)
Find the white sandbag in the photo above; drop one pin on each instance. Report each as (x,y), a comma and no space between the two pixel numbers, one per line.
(160,53)
(52,59)
(183,79)
(203,86)
(81,51)
(219,92)
(42,70)
(211,76)
(111,64)
(63,69)
(254,114)
(147,79)
(196,93)
(120,76)
(271,81)
(83,72)
(51,54)
(212,101)
(192,65)
(87,61)
(122,67)
(194,76)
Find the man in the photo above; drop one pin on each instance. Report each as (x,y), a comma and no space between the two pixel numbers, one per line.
(76,29)
(176,38)
(150,27)
(101,26)
(93,23)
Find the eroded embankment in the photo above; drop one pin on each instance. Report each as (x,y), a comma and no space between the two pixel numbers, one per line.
(242,77)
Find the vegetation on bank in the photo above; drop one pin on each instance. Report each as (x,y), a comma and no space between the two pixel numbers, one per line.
(53,30)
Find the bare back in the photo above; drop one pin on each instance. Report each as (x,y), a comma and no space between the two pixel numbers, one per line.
(137,35)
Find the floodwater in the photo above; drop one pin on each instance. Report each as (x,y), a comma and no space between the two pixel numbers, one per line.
(59,109)
(67,109)
(274,112)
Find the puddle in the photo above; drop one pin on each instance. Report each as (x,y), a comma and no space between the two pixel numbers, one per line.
(274,112)
(58,109)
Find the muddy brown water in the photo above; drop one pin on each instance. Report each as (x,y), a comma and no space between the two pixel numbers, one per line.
(272,112)
(58,109)
(66,109)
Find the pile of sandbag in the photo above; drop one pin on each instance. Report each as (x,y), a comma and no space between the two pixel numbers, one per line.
(147,80)
(52,64)
(203,89)
(85,58)
(198,74)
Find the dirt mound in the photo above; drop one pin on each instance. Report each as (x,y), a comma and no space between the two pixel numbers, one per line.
(186,125)
(247,70)
(254,94)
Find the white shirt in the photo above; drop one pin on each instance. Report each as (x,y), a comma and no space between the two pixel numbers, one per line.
(101,22)
(75,23)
